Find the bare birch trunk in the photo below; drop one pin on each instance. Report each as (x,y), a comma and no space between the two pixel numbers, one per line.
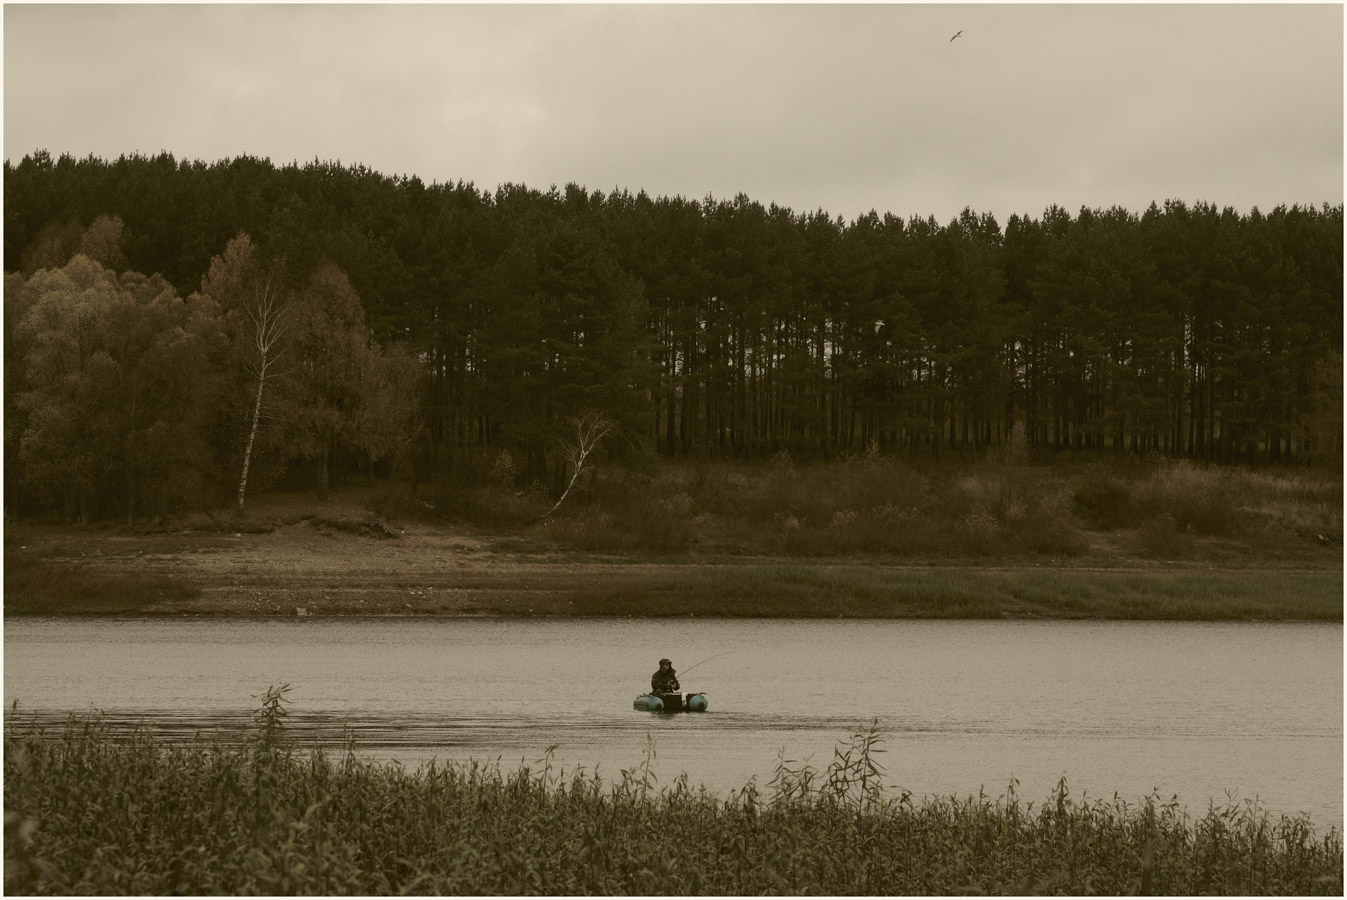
(574,477)
(129,450)
(248,449)
(268,315)
(589,430)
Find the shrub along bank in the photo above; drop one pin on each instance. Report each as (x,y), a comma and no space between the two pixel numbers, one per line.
(90,812)
(1004,506)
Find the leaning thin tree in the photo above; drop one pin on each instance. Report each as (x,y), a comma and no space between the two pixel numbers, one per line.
(268,313)
(590,429)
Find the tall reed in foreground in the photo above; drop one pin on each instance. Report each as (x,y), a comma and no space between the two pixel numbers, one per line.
(90,811)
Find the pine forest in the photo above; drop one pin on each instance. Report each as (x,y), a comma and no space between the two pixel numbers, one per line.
(179,333)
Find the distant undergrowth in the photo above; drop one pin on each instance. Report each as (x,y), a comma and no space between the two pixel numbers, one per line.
(888,505)
(90,813)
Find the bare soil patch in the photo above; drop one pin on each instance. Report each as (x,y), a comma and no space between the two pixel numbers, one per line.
(293,556)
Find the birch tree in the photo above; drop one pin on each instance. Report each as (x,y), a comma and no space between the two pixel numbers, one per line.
(590,429)
(268,316)
(257,317)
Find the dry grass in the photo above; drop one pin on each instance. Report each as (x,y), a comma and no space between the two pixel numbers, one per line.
(998,509)
(90,812)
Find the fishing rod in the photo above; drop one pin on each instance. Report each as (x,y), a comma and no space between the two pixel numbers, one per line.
(708,659)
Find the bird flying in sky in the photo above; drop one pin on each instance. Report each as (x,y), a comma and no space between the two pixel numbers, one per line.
(956,34)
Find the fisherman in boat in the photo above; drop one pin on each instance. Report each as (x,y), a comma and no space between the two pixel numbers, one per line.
(665,681)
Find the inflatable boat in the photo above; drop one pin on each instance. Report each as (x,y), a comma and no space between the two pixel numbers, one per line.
(670,703)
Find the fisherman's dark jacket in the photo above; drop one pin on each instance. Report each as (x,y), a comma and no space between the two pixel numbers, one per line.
(664,681)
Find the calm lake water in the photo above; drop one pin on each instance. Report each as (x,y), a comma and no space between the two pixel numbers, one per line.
(1207,712)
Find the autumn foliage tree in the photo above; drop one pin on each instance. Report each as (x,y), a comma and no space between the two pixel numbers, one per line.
(108,380)
(331,357)
(388,416)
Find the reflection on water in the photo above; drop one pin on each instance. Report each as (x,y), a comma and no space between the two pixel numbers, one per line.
(1204,711)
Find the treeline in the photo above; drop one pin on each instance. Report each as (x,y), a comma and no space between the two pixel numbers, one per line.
(711,327)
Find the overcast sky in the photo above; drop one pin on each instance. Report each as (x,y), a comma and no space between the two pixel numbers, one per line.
(841,108)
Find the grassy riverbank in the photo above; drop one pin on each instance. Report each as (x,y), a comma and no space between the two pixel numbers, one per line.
(735,588)
(87,813)
(869,537)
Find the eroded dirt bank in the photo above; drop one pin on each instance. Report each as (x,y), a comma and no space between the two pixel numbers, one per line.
(332,566)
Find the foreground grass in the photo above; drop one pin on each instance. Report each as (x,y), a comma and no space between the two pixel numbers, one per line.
(859,591)
(87,812)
